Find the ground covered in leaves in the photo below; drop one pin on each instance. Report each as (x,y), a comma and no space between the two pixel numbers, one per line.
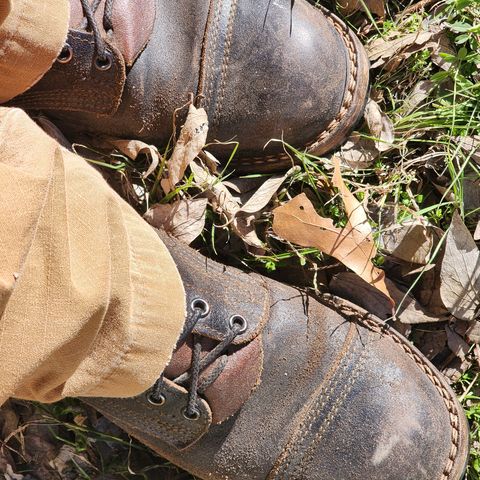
(402,195)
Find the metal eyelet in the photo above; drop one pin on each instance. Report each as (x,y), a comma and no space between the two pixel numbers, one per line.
(66,54)
(239,323)
(201,304)
(157,401)
(194,417)
(104,63)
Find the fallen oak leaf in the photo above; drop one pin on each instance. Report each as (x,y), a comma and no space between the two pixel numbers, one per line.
(456,343)
(298,222)
(190,143)
(183,219)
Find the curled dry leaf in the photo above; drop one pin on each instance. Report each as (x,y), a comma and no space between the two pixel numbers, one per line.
(298,222)
(476,235)
(347,7)
(473,332)
(260,199)
(191,140)
(133,148)
(183,219)
(471,146)
(380,51)
(417,96)
(358,152)
(412,242)
(380,126)
(460,272)
(351,287)
(456,343)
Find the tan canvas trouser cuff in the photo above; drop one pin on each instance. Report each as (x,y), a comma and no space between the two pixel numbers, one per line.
(32,35)
(91,302)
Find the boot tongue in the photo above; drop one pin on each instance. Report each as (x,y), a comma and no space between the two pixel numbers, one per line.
(236,382)
(132,22)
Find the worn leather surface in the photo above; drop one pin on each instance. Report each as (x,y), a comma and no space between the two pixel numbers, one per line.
(265,70)
(340,396)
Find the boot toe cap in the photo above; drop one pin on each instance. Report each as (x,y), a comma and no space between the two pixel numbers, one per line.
(298,75)
(392,416)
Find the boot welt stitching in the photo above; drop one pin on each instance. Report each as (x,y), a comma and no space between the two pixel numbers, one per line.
(319,402)
(308,456)
(347,100)
(375,326)
(226,61)
(211,51)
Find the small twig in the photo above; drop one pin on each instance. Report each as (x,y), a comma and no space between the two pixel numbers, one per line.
(469,388)
(419,6)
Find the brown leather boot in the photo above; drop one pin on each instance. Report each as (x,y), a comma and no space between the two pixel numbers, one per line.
(268,383)
(265,70)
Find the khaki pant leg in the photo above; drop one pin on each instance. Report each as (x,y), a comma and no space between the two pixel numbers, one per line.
(32,34)
(91,303)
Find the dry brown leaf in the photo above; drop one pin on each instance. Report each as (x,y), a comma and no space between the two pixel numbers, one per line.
(473,332)
(351,287)
(441,43)
(470,145)
(412,242)
(417,96)
(381,50)
(460,272)
(191,140)
(456,343)
(183,219)
(347,7)
(264,194)
(380,126)
(224,203)
(11,475)
(357,218)
(133,148)
(298,222)
(476,235)
(358,152)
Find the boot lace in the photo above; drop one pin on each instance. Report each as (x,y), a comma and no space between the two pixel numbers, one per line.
(191,379)
(103,59)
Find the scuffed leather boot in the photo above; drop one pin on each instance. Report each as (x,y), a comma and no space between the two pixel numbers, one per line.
(264,70)
(267,383)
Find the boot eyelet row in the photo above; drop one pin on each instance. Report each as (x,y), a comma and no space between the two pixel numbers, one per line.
(157,401)
(100,63)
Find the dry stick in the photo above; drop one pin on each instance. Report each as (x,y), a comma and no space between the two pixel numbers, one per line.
(419,6)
